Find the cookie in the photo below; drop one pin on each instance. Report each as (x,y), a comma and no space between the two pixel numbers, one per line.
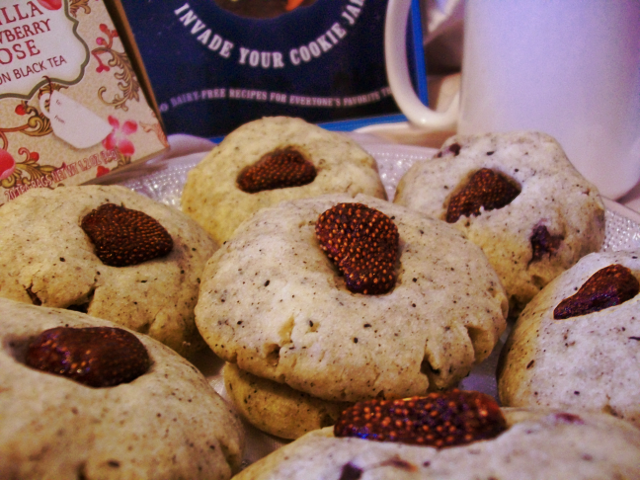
(517,196)
(278,409)
(49,259)
(272,158)
(579,349)
(538,444)
(167,423)
(274,303)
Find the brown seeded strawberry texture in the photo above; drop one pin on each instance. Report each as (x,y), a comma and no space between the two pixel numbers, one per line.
(440,419)
(363,243)
(486,188)
(281,168)
(94,356)
(608,287)
(124,237)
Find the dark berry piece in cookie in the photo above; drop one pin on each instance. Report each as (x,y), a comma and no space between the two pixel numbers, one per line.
(124,237)
(544,243)
(281,168)
(363,243)
(93,356)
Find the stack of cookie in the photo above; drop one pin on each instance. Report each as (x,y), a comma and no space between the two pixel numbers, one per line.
(300,325)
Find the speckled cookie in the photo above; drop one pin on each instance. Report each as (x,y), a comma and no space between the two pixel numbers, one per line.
(538,445)
(167,424)
(556,218)
(47,259)
(213,197)
(588,361)
(273,303)
(276,408)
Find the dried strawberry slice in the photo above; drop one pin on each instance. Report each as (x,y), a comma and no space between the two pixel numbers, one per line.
(442,419)
(281,168)
(486,188)
(93,356)
(363,243)
(608,287)
(124,237)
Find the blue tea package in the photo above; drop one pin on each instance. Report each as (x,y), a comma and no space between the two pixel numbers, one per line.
(216,64)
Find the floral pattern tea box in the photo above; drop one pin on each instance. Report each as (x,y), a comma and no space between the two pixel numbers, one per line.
(71,105)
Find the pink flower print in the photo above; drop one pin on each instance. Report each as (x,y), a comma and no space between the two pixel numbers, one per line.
(102,171)
(118,137)
(7,164)
(51,4)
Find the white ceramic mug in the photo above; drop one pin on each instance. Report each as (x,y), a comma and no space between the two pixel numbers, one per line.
(570,68)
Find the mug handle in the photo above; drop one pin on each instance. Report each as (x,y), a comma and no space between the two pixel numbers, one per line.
(395,47)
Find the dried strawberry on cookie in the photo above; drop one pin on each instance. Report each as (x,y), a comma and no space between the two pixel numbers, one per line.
(518,197)
(457,435)
(84,398)
(109,252)
(577,343)
(321,302)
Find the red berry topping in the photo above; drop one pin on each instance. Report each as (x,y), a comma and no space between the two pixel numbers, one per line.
(606,288)
(124,237)
(281,168)
(485,188)
(363,243)
(94,356)
(443,419)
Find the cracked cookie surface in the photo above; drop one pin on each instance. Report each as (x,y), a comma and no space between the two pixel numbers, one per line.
(167,423)
(275,304)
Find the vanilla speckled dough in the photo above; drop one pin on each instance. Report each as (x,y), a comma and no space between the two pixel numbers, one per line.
(589,361)
(554,195)
(276,408)
(46,258)
(539,445)
(168,424)
(212,197)
(273,303)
